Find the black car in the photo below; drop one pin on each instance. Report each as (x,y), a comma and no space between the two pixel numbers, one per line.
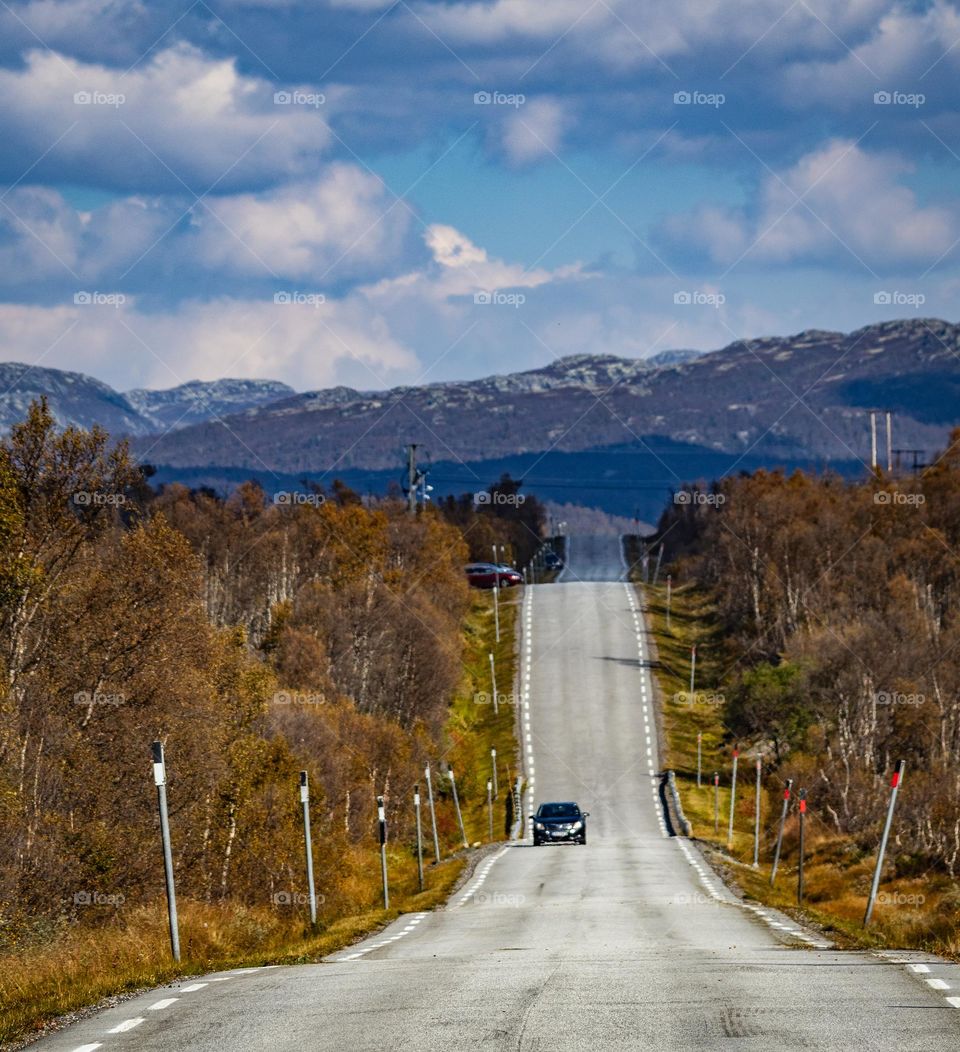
(559,823)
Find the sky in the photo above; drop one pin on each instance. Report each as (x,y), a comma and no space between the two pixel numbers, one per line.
(374,193)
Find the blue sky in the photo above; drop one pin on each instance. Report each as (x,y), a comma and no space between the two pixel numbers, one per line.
(373,192)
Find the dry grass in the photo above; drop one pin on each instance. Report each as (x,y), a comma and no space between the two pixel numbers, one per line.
(913,913)
(84,966)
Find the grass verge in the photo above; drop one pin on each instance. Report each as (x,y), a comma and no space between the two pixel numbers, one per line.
(918,912)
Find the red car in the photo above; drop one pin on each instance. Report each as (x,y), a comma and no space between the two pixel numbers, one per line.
(486,575)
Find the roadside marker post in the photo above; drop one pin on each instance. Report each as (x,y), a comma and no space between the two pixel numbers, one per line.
(456,805)
(699,755)
(382,823)
(803,815)
(160,780)
(433,814)
(733,797)
(874,887)
(490,805)
(693,671)
(308,845)
(783,821)
(656,572)
(416,811)
(493,766)
(756,816)
(716,803)
(669,597)
(493,686)
(496,592)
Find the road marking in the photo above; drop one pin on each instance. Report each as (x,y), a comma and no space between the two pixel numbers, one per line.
(165,1003)
(127,1024)
(88,1048)
(938,984)
(918,968)
(192,988)
(953,1001)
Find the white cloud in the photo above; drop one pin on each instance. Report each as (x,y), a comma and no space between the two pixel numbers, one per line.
(337,226)
(180,118)
(837,202)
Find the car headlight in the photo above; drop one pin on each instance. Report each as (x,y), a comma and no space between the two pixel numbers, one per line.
(538,825)
(577,825)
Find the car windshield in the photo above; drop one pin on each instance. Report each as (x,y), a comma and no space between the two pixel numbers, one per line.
(559,811)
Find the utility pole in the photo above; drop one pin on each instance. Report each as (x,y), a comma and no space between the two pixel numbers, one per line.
(160,779)
(693,670)
(490,805)
(873,440)
(412,479)
(493,766)
(699,755)
(669,597)
(889,443)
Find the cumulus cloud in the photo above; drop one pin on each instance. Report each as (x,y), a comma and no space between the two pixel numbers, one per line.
(181,119)
(838,202)
(339,226)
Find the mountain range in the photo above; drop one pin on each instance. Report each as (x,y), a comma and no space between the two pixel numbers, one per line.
(75,398)
(590,429)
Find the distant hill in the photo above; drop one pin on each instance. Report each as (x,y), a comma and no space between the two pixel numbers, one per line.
(594,430)
(81,400)
(793,398)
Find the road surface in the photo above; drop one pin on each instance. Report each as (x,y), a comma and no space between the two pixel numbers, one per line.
(627,943)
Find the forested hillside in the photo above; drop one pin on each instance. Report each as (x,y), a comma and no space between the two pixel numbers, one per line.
(254,639)
(839,629)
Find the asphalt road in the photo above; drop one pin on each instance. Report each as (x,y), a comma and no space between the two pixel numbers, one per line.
(627,943)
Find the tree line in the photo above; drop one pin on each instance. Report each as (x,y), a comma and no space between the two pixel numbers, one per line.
(254,638)
(839,610)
